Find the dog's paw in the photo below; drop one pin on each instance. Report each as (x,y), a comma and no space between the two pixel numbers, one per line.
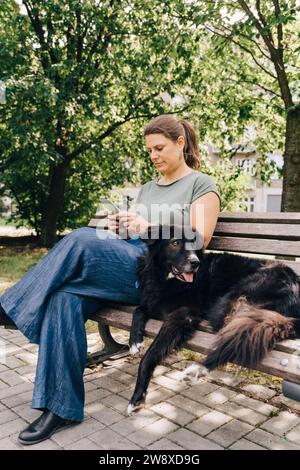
(135,348)
(193,373)
(131,408)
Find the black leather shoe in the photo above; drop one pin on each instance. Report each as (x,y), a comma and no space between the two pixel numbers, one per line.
(5,320)
(43,428)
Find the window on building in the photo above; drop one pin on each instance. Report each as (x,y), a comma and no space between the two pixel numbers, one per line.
(249,203)
(273,202)
(247,165)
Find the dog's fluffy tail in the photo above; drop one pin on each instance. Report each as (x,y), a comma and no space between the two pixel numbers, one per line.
(249,334)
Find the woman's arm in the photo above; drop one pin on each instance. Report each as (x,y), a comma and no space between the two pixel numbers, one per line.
(204,214)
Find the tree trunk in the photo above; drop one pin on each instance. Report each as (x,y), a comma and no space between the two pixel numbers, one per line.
(54,204)
(291,169)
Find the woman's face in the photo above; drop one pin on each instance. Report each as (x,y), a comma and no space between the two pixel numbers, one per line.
(165,154)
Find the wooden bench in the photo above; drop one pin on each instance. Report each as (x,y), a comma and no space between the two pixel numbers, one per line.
(258,234)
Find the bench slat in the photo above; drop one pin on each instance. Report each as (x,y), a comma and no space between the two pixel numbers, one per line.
(261,217)
(250,245)
(258,230)
(288,345)
(203,342)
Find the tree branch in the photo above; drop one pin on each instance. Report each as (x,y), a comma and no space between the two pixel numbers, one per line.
(263,87)
(276,56)
(258,25)
(230,38)
(279,28)
(263,53)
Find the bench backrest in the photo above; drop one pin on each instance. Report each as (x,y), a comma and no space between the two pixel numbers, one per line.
(259,233)
(270,233)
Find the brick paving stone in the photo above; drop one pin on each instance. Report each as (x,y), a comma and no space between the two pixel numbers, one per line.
(8,444)
(19,399)
(255,405)
(164,444)
(195,392)
(158,395)
(82,444)
(26,412)
(136,421)
(128,393)
(151,433)
(191,406)
(11,378)
(259,391)
(218,397)
(225,378)
(110,384)
(95,395)
(242,413)
(12,362)
(110,440)
(6,416)
(105,415)
(209,423)
(170,384)
(27,357)
(75,432)
(270,441)
(15,390)
(244,444)
(230,432)
(3,385)
(14,426)
(118,403)
(294,435)
(192,441)
(282,423)
(282,400)
(173,413)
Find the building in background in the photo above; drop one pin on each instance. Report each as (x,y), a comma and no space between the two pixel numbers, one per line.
(261,197)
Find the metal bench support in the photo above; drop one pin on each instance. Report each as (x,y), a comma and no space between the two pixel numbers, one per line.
(291,390)
(111,350)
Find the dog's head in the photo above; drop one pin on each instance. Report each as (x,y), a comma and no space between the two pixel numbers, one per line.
(175,250)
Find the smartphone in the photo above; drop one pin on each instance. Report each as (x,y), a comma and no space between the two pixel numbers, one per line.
(109,206)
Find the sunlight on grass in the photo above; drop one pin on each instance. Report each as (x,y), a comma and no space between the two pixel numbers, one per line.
(15,261)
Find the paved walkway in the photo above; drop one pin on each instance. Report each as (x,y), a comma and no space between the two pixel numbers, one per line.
(216,413)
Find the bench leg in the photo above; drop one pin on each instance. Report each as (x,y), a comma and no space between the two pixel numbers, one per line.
(291,390)
(111,349)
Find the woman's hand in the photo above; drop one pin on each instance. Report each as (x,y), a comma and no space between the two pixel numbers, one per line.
(131,221)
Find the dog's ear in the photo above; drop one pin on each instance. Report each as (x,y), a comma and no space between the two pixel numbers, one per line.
(152,234)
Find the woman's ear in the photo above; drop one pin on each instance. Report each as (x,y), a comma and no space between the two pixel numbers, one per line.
(181,141)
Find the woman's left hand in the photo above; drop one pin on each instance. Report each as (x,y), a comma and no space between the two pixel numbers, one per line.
(133,222)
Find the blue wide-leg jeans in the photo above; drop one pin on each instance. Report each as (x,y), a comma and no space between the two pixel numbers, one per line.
(51,303)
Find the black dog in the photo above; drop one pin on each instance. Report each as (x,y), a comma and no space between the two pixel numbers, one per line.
(251,303)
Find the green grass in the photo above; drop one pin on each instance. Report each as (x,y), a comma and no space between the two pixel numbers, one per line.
(15,261)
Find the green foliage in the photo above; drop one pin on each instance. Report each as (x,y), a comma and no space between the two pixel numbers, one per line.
(83,77)
(76,72)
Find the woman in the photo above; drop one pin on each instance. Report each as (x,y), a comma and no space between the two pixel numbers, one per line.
(51,303)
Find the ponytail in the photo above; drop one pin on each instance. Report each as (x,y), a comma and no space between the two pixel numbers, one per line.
(191,150)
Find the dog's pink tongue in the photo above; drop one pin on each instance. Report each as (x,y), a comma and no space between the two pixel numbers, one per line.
(188,277)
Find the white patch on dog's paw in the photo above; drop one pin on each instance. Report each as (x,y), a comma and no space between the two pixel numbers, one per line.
(135,348)
(131,408)
(194,372)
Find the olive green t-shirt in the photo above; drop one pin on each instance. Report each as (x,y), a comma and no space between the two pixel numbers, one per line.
(170,203)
